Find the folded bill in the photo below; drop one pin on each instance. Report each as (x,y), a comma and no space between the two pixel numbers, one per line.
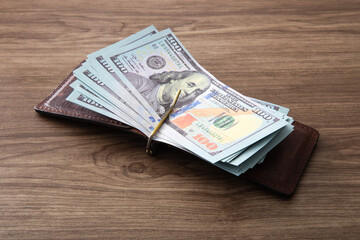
(135,80)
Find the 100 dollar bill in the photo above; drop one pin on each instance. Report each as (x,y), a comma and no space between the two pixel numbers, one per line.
(216,119)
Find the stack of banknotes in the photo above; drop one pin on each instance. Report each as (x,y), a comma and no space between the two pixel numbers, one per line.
(135,80)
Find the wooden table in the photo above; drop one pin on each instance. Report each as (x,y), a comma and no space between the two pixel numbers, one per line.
(61,179)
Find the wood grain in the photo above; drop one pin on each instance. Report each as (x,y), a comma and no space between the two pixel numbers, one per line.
(69,180)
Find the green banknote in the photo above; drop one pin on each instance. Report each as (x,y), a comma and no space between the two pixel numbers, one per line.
(214,118)
(134,81)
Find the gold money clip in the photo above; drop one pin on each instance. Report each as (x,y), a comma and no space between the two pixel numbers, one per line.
(149,150)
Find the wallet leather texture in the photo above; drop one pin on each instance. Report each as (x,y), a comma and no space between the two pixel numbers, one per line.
(281,170)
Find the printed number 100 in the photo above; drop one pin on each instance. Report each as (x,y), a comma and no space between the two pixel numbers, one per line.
(203,140)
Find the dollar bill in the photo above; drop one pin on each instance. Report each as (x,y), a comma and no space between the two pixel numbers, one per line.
(107,86)
(216,119)
(88,98)
(82,100)
(258,156)
(107,94)
(135,80)
(251,150)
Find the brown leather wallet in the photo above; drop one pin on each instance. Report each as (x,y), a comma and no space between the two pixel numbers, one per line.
(281,170)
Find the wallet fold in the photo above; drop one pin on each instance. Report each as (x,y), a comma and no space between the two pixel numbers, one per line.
(281,170)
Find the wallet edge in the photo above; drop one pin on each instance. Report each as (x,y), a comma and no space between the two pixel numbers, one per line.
(289,189)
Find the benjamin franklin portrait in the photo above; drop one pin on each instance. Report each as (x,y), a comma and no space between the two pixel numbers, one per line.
(160,89)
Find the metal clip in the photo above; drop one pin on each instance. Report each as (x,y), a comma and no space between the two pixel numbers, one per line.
(149,150)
